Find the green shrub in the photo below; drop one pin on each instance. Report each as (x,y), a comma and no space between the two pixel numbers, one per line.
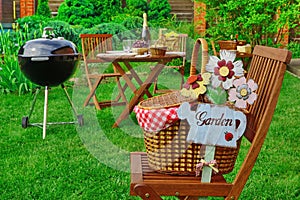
(88,13)
(158,10)
(108,9)
(136,8)
(106,28)
(78,12)
(12,79)
(63,29)
(294,47)
(253,21)
(128,21)
(43,8)
(118,30)
(32,26)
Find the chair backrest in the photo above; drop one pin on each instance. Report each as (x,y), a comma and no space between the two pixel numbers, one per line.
(181,47)
(200,49)
(92,44)
(267,69)
(172,40)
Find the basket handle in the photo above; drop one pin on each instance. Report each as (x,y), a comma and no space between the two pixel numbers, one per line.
(200,42)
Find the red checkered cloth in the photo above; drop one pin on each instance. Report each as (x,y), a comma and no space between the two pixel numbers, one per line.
(156,119)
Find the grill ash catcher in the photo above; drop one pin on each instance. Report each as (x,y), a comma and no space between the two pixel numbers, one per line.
(47,62)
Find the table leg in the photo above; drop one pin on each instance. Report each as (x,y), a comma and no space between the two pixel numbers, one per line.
(136,77)
(139,93)
(125,76)
(92,92)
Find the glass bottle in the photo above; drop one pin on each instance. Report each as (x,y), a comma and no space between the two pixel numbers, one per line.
(145,32)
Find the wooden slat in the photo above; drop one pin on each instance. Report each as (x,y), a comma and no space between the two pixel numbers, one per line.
(136,171)
(281,55)
(168,185)
(183,9)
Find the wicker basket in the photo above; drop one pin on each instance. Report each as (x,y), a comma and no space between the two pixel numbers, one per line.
(158,51)
(168,152)
(227,44)
(167,100)
(241,42)
(140,51)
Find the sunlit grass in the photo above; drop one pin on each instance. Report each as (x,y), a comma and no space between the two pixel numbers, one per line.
(68,164)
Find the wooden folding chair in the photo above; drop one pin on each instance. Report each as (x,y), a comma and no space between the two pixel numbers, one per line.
(93,44)
(267,69)
(176,45)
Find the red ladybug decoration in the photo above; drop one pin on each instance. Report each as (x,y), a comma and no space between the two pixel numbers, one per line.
(228,136)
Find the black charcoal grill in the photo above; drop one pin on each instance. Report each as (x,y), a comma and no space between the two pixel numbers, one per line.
(48,61)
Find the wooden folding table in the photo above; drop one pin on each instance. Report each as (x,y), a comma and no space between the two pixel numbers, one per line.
(144,86)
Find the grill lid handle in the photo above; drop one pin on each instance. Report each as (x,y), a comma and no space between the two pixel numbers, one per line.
(48,33)
(39,59)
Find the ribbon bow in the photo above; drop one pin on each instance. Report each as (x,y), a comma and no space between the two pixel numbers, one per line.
(212,164)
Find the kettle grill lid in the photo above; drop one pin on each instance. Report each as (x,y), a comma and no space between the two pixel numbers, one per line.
(47,46)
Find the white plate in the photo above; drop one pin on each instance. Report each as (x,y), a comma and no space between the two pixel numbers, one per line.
(175,53)
(115,54)
(120,53)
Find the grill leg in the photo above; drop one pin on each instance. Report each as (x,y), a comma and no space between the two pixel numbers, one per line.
(45,112)
(33,102)
(79,117)
(69,99)
(25,119)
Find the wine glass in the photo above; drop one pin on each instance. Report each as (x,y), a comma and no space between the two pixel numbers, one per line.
(127,45)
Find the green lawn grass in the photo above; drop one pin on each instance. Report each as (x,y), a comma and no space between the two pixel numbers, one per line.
(92,161)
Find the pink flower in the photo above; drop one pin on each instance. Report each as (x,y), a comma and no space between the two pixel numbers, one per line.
(243,92)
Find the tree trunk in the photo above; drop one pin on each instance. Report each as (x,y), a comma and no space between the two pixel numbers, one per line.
(123,3)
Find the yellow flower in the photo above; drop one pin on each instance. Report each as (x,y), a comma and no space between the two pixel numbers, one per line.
(196,85)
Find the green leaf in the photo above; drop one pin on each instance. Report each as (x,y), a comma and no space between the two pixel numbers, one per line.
(216,95)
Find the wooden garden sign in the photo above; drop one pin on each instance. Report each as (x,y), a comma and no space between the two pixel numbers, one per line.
(212,125)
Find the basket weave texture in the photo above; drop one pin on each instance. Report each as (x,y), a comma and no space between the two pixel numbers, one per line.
(227,45)
(167,100)
(169,152)
(158,51)
(140,51)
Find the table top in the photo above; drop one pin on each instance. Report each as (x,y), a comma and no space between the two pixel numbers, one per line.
(241,54)
(133,57)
